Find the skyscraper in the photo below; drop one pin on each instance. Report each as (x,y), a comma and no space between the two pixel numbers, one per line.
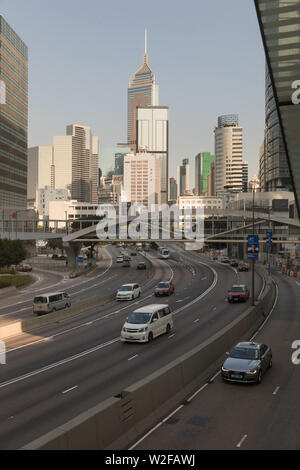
(76,162)
(203,162)
(142,91)
(275,164)
(245,176)
(142,179)
(152,136)
(229,154)
(40,169)
(173,190)
(279,23)
(183,177)
(13,118)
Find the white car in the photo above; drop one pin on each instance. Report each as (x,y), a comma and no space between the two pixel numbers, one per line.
(119,259)
(146,323)
(128,292)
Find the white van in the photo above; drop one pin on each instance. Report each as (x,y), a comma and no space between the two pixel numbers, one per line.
(146,323)
(164,253)
(46,303)
(128,292)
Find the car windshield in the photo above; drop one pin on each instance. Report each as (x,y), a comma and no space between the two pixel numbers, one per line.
(141,264)
(40,300)
(125,288)
(163,284)
(139,318)
(244,353)
(237,289)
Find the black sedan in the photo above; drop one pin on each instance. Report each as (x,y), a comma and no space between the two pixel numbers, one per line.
(142,266)
(247,363)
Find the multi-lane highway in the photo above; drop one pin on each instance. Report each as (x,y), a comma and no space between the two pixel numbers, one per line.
(239,416)
(64,369)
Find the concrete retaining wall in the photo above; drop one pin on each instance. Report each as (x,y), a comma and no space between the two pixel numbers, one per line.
(118,422)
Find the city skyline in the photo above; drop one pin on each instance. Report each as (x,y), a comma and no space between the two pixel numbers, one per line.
(99,99)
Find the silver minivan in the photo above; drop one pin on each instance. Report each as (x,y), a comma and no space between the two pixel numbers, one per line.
(146,323)
(46,303)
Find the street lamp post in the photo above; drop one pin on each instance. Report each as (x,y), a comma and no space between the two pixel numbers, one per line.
(253,261)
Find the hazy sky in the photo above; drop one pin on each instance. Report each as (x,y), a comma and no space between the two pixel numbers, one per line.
(207,56)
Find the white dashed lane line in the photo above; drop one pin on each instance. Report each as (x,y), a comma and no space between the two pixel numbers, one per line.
(242,441)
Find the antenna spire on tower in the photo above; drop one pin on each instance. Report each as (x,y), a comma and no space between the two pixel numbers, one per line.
(146,46)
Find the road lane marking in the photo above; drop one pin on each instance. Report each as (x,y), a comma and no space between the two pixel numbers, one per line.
(197,319)
(196,393)
(133,357)
(171,336)
(276,390)
(70,389)
(59,363)
(155,427)
(242,440)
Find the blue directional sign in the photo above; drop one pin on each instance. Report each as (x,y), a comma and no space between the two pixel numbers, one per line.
(80,259)
(269,241)
(253,247)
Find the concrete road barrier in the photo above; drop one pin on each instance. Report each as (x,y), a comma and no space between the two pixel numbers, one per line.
(119,421)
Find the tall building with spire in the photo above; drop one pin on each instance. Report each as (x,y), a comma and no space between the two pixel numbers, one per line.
(142,91)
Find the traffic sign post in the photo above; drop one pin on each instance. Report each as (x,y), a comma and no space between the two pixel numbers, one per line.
(253,251)
(269,242)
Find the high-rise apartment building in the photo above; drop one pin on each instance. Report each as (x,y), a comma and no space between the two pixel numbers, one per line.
(203,162)
(40,169)
(152,136)
(142,91)
(13,118)
(141,179)
(229,154)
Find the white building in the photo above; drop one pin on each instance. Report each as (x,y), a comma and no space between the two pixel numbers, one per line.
(40,169)
(141,179)
(71,210)
(202,202)
(47,194)
(229,154)
(153,137)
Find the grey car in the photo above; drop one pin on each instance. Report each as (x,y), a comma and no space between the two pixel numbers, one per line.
(247,363)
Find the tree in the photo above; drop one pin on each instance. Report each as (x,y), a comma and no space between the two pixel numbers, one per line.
(11,252)
(55,243)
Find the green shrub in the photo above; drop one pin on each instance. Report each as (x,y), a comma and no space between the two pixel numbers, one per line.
(5,281)
(22,281)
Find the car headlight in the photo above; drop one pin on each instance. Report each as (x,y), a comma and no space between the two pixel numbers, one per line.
(224,369)
(143,330)
(254,371)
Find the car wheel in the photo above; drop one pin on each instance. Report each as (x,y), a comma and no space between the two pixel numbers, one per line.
(150,337)
(132,297)
(259,378)
(270,363)
(139,294)
(168,329)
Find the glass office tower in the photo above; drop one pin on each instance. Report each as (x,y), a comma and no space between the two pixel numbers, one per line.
(13,118)
(279,23)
